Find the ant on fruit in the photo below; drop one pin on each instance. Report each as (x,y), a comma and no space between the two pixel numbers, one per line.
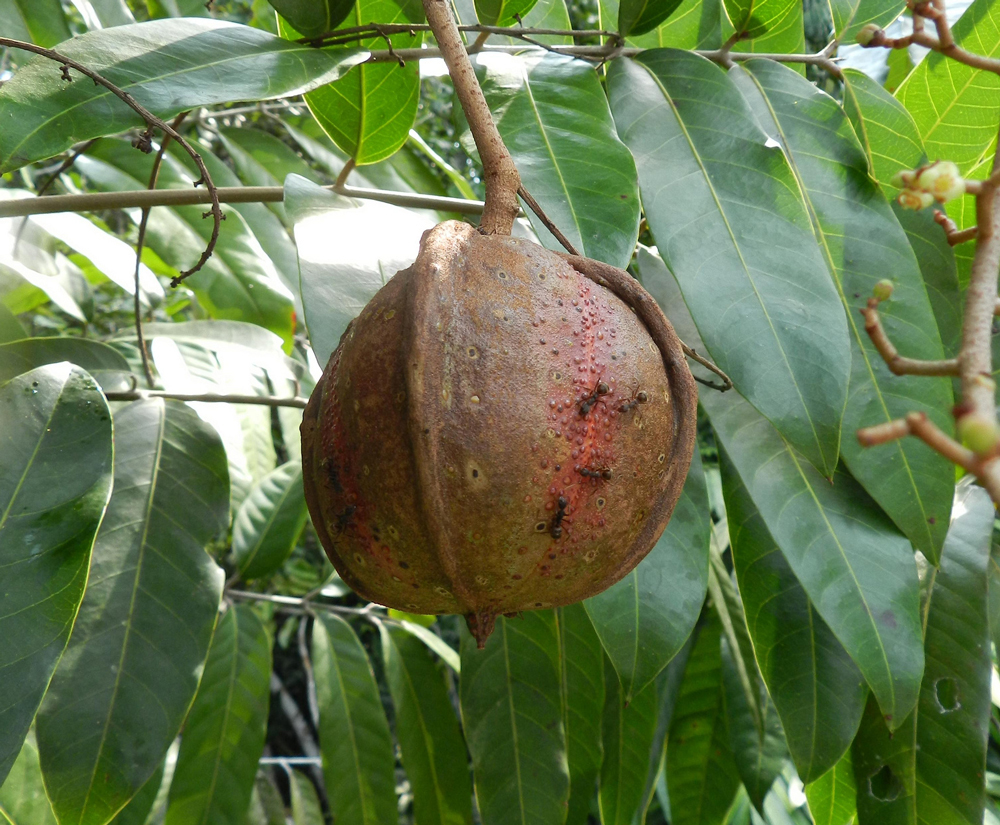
(591,400)
(344,518)
(638,397)
(604,473)
(556,529)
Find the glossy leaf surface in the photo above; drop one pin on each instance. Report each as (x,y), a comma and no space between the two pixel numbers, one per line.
(113,708)
(729,222)
(224,733)
(26,354)
(56,455)
(269,522)
(43,23)
(168,66)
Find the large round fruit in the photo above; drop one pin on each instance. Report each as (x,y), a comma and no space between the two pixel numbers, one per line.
(498,431)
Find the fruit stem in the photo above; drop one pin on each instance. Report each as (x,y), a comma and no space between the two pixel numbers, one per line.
(499,172)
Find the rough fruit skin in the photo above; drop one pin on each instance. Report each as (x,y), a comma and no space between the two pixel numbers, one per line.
(458,455)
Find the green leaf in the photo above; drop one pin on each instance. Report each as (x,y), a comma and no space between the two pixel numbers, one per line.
(168,66)
(758,18)
(311,18)
(513,723)
(994,590)
(627,730)
(42,22)
(354,736)
(695,24)
(56,455)
(22,797)
(545,14)
(266,804)
(956,106)
(816,687)
(581,671)
(644,619)
(701,774)
(861,241)
(10,328)
(20,356)
(502,12)
(784,31)
(850,16)
(445,652)
(553,115)
(430,742)
(224,733)
(269,522)
(738,238)
(368,113)
(931,769)
(345,255)
(138,810)
(306,809)
(641,16)
(833,796)
(132,666)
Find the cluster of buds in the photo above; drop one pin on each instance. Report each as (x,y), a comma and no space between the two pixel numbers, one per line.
(940,181)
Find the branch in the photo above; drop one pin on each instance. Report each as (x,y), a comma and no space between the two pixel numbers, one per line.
(727,382)
(952,233)
(355,33)
(144,198)
(898,365)
(143,141)
(210,398)
(499,172)
(540,213)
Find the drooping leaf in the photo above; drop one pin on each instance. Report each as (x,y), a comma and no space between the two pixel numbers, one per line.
(369,111)
(306,808)
(269,522)
(758,18)
(513,722)
(954,105)
(644,619)
(701,774)
(311,19)
(345,256)
(168,66)
(114,705)
(694,24)
(850,16)
(641,16)
(627,731)
(10,328)
(861,241)
(445,652)
(431,744)
(502,12)
(781,31)
(833,796)
(729,222)
(26,354)
(553,115)
(22,795)
(139,809)
(56,455)
(266,804)
(354,736)
(43,23)
(581,676)
(224,733)
(930,770)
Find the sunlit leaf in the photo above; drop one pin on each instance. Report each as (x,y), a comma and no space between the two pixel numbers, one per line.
(311,18)
(26,354)
(22,797)
(833,796)
(502,12)
(113,707)
(641,16)
(850,16)
(56,455)
(42,22)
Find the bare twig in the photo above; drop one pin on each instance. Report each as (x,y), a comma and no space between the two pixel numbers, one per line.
(209,398)
(143,141)
(919,425)
(694,355)
(952,233)
(898,365)
(499,172)
(301,604)
(540,213)
(355,33)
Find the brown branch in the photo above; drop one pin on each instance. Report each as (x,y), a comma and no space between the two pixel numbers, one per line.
(898,365)
(354,33)
(210,398)
(952,233)
(727,382)
(143,141)
(546,221)
(499,172)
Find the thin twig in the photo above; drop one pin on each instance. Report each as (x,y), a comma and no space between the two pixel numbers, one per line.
(727,382)
(208,398)
(300,603)
(355,33)
(918,424)
(952,233)
(143,142)
(540,213)
(898,365)
(131,199)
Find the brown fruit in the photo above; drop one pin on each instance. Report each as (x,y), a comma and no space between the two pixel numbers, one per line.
(498,431)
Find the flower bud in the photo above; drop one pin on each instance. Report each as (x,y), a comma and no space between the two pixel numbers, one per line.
(912,199)
(867,34)
(979,433)
(942,180)
(903,179)
(883,289)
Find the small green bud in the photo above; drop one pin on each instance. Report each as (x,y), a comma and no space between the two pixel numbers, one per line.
(883,289)
(979,433)
(942,180)
(912,199)
(903,179)
(867,34)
